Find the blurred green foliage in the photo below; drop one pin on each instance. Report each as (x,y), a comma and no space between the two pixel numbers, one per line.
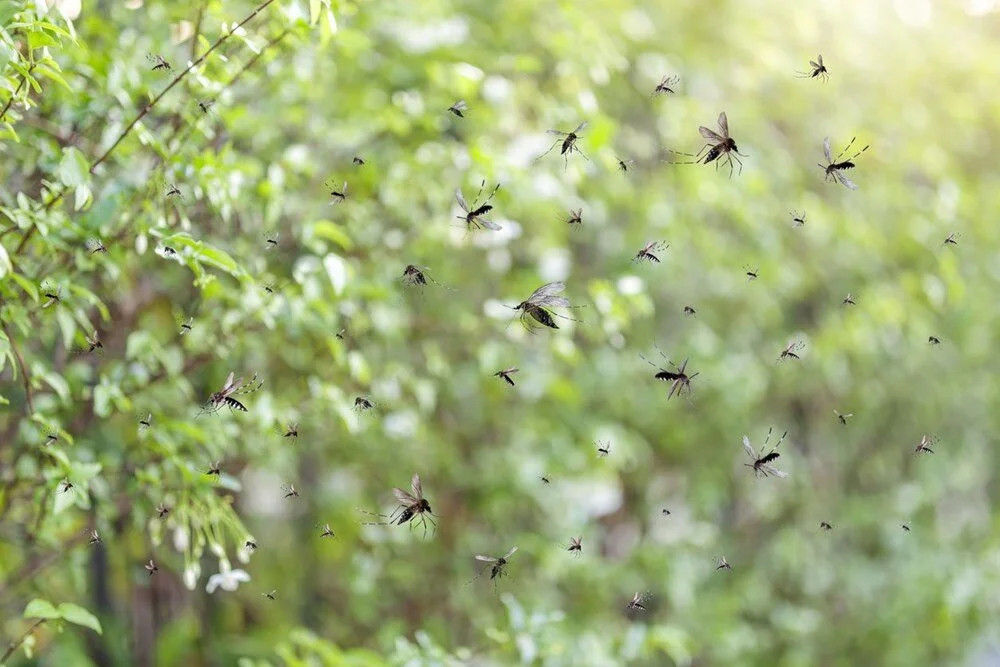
(302,88)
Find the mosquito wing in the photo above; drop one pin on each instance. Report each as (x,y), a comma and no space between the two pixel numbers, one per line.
(711,135)
(486,559)
(461,200)
(820,59)
(228,383)
(815,65)
(459,105)
(771,470)
(561,134)
(403,497)
(847,182)
(415,486)
(826,150)
(748,448)
(580,128)
(724,124)
(489,224)
(546,291)
(512,549)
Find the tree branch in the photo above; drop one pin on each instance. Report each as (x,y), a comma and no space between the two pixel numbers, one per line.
(25,378)
(13,646)
(14,95)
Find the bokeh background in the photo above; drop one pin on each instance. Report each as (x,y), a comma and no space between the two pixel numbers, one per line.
(301,89)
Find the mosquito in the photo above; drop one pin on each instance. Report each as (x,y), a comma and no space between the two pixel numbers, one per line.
(206,105)
(818,69)
(751,274)
(905,526)
(842,418)
(638,602)
(289,491)
(798,219)
(362,404)
(214,470)
(499,567)
(791,351)
(271,241)
(924,446)
(951,239)
(603,448)
(413,507)
(250,545)
(761,463)
(723,564)
(648,252)
(545,480)
(224,397)
(162,510)
(505,375)
(158,62)
(416,276)
(665,512)
(721,147)
(327,531)
(678,378)
(575,217)
(623,165)
(575,546)
(474,214)
(666,85)
(291,431)
(151,567)
(66,486)
(457,108)
(358,161)
(849,300)
(271,595)
(825,526)
(94,345)
(96,245)
(567,144)
(52,293)
(186,326)
(689,310)
(51,439)
(146,422)
(340,334)
(834,168)
(537,307)
(339,196)
(167,251)
(933,340)
(94,537)
(172,191)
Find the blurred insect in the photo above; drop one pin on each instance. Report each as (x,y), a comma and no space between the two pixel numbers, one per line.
(849,300)
(722,564)
(499,567)
(224,397)
(951,239)
(751,274)
(648,252)
(291,431)
(362,404)
(172,191)
(638,602)
(545,480)
(95,245)
(271,595)
(151,567)
(924,446)
(413,508)
(416,276)
(537,307)
(505,375)
(843,418)
(761,463)
(575,546)
(791,351)
(93,346)
(603,448)
(678,378)
(146,422)
(358,161)
(623,165)
(158,62)
(666,85)
(665,512)
(51,439)
(905,526)
(834,168)
(206,105)
(250,545)
(688,310)
(474,214)
(798,219)
(575,217)
(818,69)
(327,531)
(271,241)
(289,491)
(214,470)
(933,340)
(567,143)
(162,510)
(340,334)
(338,196)
(825,526)
(94,537)
(167,251)
(66,486)
(52,293)
(721,148)
(457,108)
(186,326)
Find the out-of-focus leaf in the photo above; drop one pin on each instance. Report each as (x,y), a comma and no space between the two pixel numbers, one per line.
(80,616)
(39,608)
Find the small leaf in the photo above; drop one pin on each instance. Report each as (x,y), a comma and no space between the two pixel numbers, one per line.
(73,170)
(5,265)
(39,608)
(332,232)
(77,614)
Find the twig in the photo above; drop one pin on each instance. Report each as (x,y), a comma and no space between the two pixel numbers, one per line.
(25,378)
(13,646)
(13,96)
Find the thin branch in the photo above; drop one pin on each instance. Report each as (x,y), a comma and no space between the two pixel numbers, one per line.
(13,646)
(13,97)
(25,378)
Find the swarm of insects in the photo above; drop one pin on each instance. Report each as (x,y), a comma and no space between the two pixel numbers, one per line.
(474,214)
(458,108)
(624,164)
(575,546)
(567,143)
(924,446)
(637,603)
(648,252)
(843,418)
(603,448)
(505,375)
(499,565)
(720,147)
(722,564)
(413,508)
(158,62)
(151,567)
(538,307)
(817,69)
(575,217)
(825,526)
(761,463)
(337,196)
(798,219)
(96,245)
(834,168)
(162,510)
(678,377)
(666,85)
(791,351)
(224,397)
(362,404)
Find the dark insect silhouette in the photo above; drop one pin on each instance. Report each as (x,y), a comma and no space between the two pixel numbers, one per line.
(761,463)
(638,602)
(327,531)
(849,300)
(623,165)
(648,252)
(817,69)
(158,62)
(545,480)
(905,526)
(843,418)
(162,510)
(825,526)
(172,190)
(505,375)
(834,168)
(603,448)
(289,491)
(151,567)
(186,326)
(96,245)
(291,431)
(358,161)
(206,105)
(688,310)
(146,422)
(537,307)
(214,470)
(250,545)
(575,546)
(924,446)
(337,196)
(951,239)
(575,217)
(666,85)
(474,214)
(224,397)
(567,144)
(458,108)
(340,334)
(51,293)
(721,148)
(167,251)
(413,508)
(722,564)
(499,567)
(51,439)
(94,537)
(417,276)
(271,241)
(271,595)
(362,404)
(93,346)
(665,512)
(798,219)
(933,340)
(66,486)
(791,351)
(678,378)
(751,274)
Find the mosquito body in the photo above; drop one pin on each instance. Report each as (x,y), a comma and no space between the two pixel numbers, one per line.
(417,276)
(761,463)
(327,531)
(905,526)
(94,537)
(458,108)
(224,397)
(835,167)
(474,214)
(65,486)
(271,241)
(362,404)
(413,507)
(722,564)
(751,274)
(94,345)
(843,418)
(151,567)
(849,300)
(666,85)
(637,603)
(158,62)
(575,217)
(951,239)
(206,106)
(545,480)
(172,191)
(567,143)
(168,251)
(791,351)
(499,565)
(358,161)
(289,491)
(648,253)
(337,196)
(505,375)
(933,340)
(720,147)
(52,293)
(689,310)
(623,165)
(162,510)
(146,422)
(250,545)
(538,307)
(96,245)
(214,470)
(924,446)
(575,546)
(798,219)
(825,526)
(271,595)
(665,512)
(291,431)
(817,70)
(678,377)
(603,448)
(186,326)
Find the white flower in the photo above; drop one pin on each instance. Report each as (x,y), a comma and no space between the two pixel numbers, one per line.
(181,540)
(229,580)
(190,577)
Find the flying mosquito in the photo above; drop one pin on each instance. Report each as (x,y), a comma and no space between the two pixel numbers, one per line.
(499,567)
(52,293)
(849,300)
(271,595)
(146,422)
(271,241)
(457,108)
(206,105)
(933,340)
(791,351)
(338,196)
(567,144)
(362,404)
(224,397)
(51,439)
(94,537)
(162,510)
(167,251)
(358,161)
(158,62)
(185,326)
(327,531)
(825,526)
(678,378)
(413,507)
(96,245)
(151,567)
(291,430)
(721,147)
(623,165)
(214,470)
(250,545)
(575,217)
(648,252)
(751,274)
(843,418)
(417,276)
(818,69)
(66,486)
(575,546)
(289,491)
(666,85)
(905,526)
(665,512)
(798,219)
(172,190)
(94,345)
(834,168)
(688,310)
(545,480)
(638,602)
(474,214)
(505,375)
(924,446)
(951,239)
(722,564)
(603,448)
(761,463)
(537,307)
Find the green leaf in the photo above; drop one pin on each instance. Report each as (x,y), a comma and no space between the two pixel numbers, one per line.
(5,264)
(37,39)
(77,614)
(332,232)
(39,608)
(205,253)
(74,170)
(314,7)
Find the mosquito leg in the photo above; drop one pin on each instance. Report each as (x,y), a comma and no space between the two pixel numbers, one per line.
(846,148)
(476,200)
(554,144)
